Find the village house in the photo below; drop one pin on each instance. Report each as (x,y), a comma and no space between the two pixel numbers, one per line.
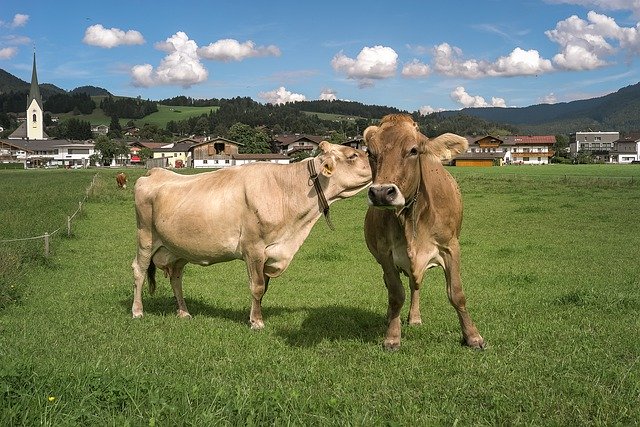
(512,149)
(221,152)
(297,143)
(626,149)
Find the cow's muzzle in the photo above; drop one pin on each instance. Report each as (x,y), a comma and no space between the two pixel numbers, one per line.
(385,196)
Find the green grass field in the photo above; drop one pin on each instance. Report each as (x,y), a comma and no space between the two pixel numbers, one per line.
(164,114)
(549,265)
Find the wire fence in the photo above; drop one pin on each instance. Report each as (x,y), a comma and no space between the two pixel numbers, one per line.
(46,237)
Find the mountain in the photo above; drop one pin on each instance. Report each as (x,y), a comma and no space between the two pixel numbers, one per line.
(616,111)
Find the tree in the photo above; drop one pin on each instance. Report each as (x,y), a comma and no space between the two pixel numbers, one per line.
(115,130)
(253,140)
(110,149)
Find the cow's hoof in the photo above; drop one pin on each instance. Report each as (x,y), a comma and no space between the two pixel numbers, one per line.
(256,325)
(391,345)
(476,342)
(415,322)
(137,315)
(184,314)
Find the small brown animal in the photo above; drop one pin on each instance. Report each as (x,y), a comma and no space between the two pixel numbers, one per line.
(121,179)
(414,218)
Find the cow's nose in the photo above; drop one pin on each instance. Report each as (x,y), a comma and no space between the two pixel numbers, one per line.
(383,195)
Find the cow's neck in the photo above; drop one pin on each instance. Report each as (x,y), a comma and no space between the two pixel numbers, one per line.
(418,203)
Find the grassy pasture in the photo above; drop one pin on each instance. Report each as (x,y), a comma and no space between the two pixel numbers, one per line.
(550,269)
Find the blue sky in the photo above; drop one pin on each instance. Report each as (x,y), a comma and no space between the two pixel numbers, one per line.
(414,55)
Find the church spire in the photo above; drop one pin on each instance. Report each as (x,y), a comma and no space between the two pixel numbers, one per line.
(34,92)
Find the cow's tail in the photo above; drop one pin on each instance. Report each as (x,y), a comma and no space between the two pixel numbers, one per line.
(151,277)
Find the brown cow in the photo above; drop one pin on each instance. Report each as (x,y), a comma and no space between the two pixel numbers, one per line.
(414,219)
(121,180)
(260,213)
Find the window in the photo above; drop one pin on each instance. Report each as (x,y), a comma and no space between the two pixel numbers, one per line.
(205,161)
(525,159)
(597,138)
(35,117)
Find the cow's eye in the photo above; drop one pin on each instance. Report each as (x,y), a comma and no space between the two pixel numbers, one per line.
(353,156)
(413,151)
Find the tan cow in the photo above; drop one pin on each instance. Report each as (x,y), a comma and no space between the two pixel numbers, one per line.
(121,180)
(260,213)
(414,219)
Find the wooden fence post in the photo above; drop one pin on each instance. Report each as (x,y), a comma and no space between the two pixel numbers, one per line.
(68,226)
(46,245)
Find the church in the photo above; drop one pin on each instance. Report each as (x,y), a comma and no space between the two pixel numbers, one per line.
(33,127)
(30,144)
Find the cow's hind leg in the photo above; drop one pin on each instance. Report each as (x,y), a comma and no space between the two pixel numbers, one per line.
(457,299)
(258,283)
(140,265)
(396,296)
(175,277)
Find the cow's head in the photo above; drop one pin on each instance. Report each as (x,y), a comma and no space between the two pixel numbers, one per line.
(397,150)
(346,168)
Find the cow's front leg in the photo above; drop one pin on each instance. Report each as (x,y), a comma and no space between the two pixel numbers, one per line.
(176,284)
(414,307)
(396,296)
(258,284)
(457,299)
(140,266)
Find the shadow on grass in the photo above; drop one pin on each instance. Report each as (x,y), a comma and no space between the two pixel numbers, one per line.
(335,323)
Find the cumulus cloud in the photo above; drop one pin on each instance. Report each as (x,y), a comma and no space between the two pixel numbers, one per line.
(97,35)
(328,95)
(416,69)
(372,63)
(181,66)
(232,50)
(584,45)
(19,20)
(449,60)
(8,52)
(461,96)
(281,96)
(425,110)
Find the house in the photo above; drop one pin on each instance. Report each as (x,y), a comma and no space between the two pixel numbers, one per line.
(243,159)
(51,153)
(214,153)
(357,142)
(483,151)
(529,150)
(597,144)
(626,149)
(174,154)
(297,143)
(490,150)
(100,129)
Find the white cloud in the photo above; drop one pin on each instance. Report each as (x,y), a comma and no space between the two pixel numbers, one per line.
(181,66)
(281,96)
(450,61)
(415,69)
(425,110)
(585,45)
(631,5)
(232,50)
(8,52)
(372,63)
(549,99)
(97,35)
(19,20)
(461,96)
(328,95)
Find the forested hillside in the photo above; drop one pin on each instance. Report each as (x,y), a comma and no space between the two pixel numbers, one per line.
(616,111)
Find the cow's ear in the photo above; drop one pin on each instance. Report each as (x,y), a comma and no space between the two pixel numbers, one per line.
(368,134)
(328,165)
(444,147)
(325,146)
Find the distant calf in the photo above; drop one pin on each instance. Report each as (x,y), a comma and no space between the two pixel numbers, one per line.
(121,179)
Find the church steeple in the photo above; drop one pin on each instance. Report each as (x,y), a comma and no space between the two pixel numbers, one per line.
(35,124)
(34,92)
